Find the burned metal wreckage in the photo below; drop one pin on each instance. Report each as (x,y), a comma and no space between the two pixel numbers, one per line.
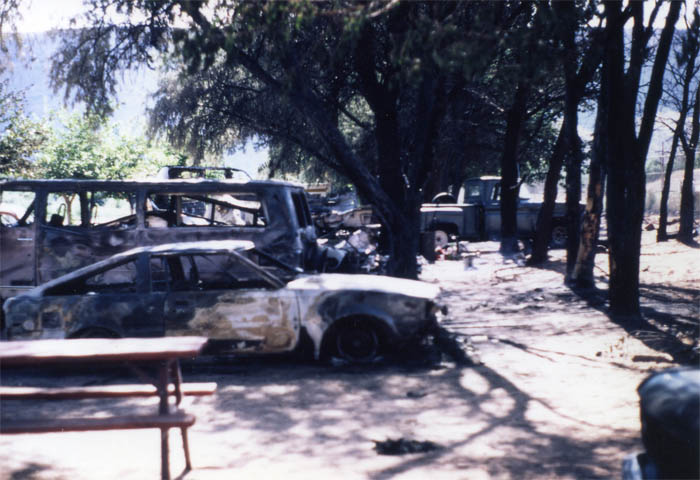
(62,225)
(241,298)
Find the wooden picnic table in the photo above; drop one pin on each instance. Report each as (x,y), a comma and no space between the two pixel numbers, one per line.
(162,353)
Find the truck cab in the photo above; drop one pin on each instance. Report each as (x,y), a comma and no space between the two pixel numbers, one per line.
(476,212)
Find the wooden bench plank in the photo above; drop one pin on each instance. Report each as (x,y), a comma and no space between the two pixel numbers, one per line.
(102,391)
(36,425)
(91,350)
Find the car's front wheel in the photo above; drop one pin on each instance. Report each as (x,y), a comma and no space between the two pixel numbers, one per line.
(357,341)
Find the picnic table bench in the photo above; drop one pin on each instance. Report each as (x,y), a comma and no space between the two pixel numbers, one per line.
(139,354)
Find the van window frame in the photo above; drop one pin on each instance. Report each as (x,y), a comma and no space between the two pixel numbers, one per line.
(177,196)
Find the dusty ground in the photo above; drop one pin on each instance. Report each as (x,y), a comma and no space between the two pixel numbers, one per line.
(552,397)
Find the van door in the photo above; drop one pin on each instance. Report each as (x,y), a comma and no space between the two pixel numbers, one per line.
(80,228)
(17,247)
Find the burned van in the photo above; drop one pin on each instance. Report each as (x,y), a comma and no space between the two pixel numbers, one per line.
(53,227)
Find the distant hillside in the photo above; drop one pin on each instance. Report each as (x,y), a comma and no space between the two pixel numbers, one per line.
(655,184)
(30,70)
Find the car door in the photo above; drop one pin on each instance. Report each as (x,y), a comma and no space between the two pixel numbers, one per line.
(234,309)
(75,231)
(115,301)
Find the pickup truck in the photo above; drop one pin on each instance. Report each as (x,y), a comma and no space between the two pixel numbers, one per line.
(476,214)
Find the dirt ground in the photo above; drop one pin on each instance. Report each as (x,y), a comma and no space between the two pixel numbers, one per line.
(551,392)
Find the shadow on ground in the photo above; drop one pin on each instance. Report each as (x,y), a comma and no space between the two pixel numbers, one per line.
(283,410)
(670,315)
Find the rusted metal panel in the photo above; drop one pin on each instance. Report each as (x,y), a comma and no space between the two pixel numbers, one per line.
(260,321)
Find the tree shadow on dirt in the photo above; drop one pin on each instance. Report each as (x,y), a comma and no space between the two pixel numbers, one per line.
(670,316)
(530,453)
(340,404)
(295,409)
(537,455)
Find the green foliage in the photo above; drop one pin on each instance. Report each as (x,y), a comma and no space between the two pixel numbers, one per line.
(90,147)
(20,136)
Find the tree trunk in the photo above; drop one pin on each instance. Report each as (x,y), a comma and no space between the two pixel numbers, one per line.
(583,275)
(405,243)
(509,170)
(568,21)
(689,55)
(662,232)
(627,153)
(573,189)
(685,232)
(568,140)
(624,258)
(543,230)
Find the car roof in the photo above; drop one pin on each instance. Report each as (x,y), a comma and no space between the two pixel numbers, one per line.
(208,246)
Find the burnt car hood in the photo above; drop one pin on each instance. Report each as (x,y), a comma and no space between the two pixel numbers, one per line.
(373,283)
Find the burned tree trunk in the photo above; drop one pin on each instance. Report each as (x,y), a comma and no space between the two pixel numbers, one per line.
(583,276)
(662,232)
(573,192)
(627,153)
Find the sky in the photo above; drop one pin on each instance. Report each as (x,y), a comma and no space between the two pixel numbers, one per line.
(43,15)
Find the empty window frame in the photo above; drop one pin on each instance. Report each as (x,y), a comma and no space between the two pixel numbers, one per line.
(16,208)
(239,209)
(119,278)
(301,207)
(63,209)
(111,209)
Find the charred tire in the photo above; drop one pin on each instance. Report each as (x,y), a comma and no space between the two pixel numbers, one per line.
(95,332)
(559,235)
(356,340)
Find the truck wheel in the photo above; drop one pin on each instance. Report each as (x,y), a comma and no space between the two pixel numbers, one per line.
(559,236)
(441,238)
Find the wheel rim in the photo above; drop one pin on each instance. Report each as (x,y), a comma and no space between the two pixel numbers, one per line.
(441,238)
(357,343)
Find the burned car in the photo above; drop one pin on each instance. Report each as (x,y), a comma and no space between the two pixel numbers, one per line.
(242,299)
